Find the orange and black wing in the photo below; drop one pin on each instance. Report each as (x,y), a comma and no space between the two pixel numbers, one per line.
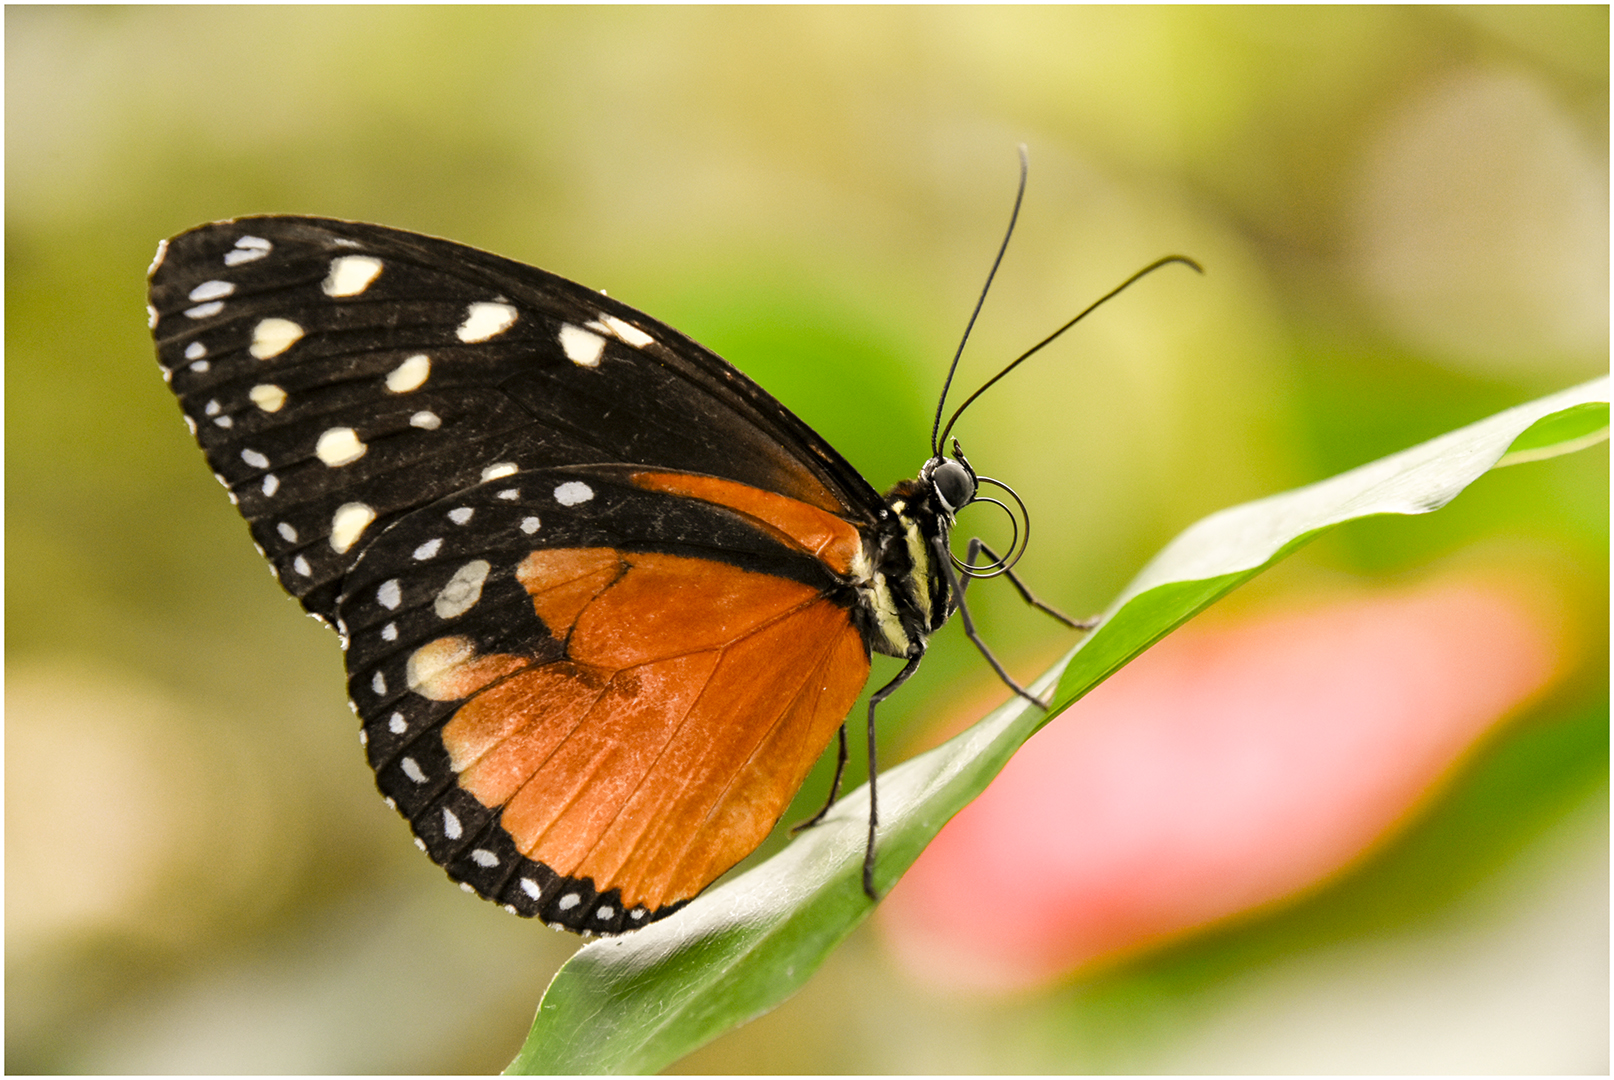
(606,693)
(593,582)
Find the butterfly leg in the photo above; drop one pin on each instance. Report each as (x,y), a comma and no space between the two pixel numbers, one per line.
(977,545)
(874,815)
(969,626)
(834,789)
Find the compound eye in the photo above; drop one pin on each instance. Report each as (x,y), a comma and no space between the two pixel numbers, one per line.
(953,483)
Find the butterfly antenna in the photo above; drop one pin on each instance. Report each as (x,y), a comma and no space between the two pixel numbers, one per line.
(1014,215)
(1151,268)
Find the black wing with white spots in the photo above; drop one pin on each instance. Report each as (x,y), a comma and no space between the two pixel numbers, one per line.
(340,375)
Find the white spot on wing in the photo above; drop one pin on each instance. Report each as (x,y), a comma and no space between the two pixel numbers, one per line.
(427,420)
(428,549)
(530,887)
(509,494)
(157,259)
(451,824)
(583,347)
(529,525)
(485,320)
(203,311)
(195,351)
(287,531)
(484,857)
(255,459)
(430,668)
(271,337)
(340,446)
(200,366)
(247,249)
(411,768)
(389,632)
(573,492)
(348,524)
(569,901)
(379,683)
(463,590)
(460,515)
(605,912)
(389,595)
(223,421)
(397,724)
(271,483)
(300,565)
(350,275)
(410,375)
(495,472)
(267,397)
(151,317)
(212,290)
(626,331)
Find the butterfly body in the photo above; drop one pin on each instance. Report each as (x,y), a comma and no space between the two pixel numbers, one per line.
(603,600)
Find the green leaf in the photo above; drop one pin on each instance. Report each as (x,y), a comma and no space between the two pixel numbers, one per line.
(639,1002)
(1561,433)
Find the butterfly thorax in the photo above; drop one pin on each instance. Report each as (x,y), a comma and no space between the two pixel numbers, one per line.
(906,596)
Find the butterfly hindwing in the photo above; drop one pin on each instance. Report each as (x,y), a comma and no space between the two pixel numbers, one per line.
(589,693)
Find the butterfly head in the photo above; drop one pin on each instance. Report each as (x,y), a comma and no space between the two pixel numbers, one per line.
(952,484)
(951,480)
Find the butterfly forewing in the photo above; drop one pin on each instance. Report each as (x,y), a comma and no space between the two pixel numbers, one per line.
(318,359)
(593,583)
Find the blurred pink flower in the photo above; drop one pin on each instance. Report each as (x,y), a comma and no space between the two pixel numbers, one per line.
(1227,768)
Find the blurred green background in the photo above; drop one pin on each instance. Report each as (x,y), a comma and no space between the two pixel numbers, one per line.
(1404,217)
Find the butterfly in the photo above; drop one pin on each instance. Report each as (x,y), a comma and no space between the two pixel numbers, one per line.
(603,600)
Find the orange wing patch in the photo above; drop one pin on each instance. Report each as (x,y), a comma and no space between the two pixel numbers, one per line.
(563,581)
(494,738)
(719,788)
(693,701)
(832,539)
